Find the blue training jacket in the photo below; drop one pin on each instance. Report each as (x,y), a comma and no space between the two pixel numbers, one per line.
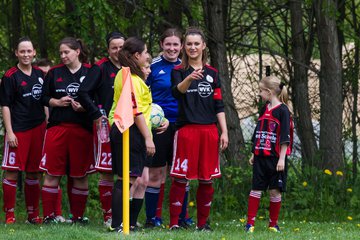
(159,82)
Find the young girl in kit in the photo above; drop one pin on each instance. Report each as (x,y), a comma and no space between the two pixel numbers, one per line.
(271,145)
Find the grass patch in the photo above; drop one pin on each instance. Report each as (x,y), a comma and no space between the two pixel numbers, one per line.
(224,230)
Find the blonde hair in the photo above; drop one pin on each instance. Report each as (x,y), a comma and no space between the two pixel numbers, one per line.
(274,84)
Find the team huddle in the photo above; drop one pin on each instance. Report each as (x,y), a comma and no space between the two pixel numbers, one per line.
(61,121)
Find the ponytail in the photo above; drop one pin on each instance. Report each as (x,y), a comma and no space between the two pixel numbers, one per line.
(279,88)
(76,44)
(126,55)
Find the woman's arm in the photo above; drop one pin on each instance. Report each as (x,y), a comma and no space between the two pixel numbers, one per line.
(11,138)
(145,132)
(62,102)
(281,163)
(184,85)
(224,139)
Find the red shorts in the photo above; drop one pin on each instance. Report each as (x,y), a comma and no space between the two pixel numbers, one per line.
(196,152)
(68,150)
(102,154)
(26,157)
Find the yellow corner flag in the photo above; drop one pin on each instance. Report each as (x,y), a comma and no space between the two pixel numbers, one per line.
(123,118)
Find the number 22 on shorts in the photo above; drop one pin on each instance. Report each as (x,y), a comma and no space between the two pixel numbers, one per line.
(106,159)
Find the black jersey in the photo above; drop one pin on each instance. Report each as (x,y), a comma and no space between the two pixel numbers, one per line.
(203,99)
(22,94)
(98,85)
(274,127)
(60,82)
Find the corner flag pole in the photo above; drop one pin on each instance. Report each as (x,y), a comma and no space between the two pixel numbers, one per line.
(124,118)
(126,182)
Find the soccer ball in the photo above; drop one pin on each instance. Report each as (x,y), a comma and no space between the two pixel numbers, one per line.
(157,115)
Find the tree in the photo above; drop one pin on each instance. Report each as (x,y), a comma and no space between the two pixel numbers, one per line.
(15,26)
(330,85)
(172,12)
(39,13)
(214,20)
(300,91)
(71,19)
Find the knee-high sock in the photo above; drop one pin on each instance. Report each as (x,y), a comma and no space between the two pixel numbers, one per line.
(176,198)
(116,204)
(275,205)
(32,197)
(79,198)
(69,186)
(135,207)
(160,201)
(105,191)
(9,195)
(184,211)
(253,206)
(58,208)
(49,195)
(151,201)
(204,198)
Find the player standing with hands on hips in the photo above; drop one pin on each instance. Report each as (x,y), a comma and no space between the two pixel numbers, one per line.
(272,142)
(197,87)
(24,119)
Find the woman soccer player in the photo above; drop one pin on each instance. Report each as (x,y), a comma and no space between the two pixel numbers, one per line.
(271,144)
(24,119)
(133,55)
(68,140)
(160,83)
(196,86)
(98,85)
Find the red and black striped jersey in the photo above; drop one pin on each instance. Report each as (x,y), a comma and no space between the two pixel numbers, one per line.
(203,99)
(22,94)
(274,127)
(98,88)
(60,82)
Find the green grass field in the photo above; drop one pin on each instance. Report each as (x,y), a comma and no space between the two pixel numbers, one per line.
(222,231)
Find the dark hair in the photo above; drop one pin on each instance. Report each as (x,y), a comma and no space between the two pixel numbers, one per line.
(185,58)
(126,55)
(23,39)
(171,32)
(43,62)
(75,44)
(114,35)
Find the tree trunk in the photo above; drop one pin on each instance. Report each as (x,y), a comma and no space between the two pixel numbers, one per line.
(15,26)
(95,40)
(259,42)
(300,93)
(172,14)
(214,21)
(71,18)
(330,86)
(135,28)
(187,12)
(40,27)
(355,94)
